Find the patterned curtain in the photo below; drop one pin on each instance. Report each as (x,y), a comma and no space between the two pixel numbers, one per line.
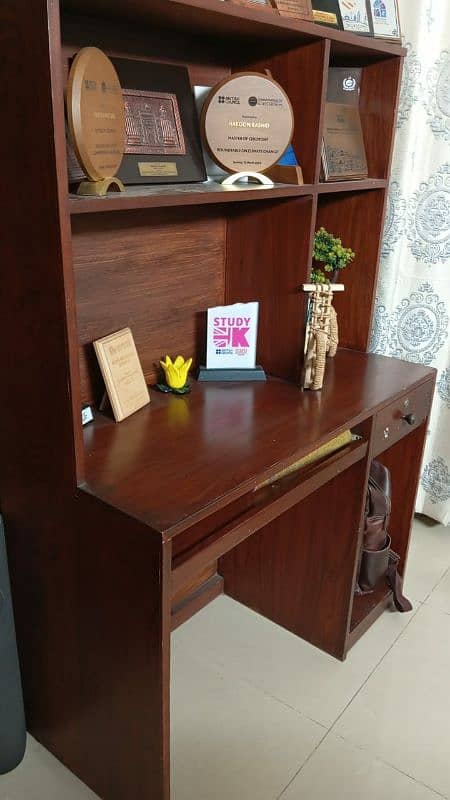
(413,303)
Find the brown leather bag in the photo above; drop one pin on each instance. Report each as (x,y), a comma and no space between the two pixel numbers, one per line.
(378,559)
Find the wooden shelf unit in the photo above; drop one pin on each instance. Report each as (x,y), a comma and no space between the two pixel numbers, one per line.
(119,533)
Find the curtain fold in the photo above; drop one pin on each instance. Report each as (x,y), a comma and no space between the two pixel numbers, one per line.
(412,308)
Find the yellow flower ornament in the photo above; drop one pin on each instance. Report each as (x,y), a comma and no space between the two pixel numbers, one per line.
(176,373)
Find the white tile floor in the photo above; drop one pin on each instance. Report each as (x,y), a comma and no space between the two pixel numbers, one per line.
(257,714)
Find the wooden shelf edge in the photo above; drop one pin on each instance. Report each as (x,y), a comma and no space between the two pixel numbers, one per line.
(351,186)
(216,16)
(136,198)
(164,196)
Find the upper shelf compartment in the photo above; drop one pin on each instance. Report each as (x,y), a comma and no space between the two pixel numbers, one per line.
(224,19)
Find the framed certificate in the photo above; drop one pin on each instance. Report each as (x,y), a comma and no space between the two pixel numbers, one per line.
(385,19)
(355,16)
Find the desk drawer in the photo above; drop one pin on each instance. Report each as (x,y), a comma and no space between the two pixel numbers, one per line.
(402,416)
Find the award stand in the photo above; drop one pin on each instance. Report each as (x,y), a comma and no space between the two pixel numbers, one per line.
(255,374)
(285,173)
(253,177)
(100,188)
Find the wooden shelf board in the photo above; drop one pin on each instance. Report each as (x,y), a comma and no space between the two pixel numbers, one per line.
(226,19)
(188,194)
(181,459)
(208,193)
(351,186)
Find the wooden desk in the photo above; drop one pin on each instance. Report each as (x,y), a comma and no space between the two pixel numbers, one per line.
(117,533)
(184,474)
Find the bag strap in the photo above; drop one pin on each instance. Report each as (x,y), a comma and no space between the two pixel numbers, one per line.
(395,582)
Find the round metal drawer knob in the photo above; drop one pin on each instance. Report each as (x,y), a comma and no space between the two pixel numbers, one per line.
(411,419)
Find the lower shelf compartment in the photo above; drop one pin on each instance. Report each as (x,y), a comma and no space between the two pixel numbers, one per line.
(366,609)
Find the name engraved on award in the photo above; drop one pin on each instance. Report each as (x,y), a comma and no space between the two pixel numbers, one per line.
(296,9)
(247,122)
(326,17)
(96,114)
(157,168)
(152,123)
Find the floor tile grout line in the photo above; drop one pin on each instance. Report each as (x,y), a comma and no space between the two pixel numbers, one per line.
(444,575)
(294,777)
(331,729)
(376,757)
(378,664)
(220,665)
(221,668)
(421,783)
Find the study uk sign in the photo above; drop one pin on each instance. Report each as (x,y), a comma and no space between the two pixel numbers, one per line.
(231,337)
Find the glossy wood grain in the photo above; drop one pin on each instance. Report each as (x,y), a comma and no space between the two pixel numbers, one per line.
(228,438)
(403,461)
(357,219)
(380,86)
(134,264)
(306,97)
(226,19)
(303,581)
(268,253)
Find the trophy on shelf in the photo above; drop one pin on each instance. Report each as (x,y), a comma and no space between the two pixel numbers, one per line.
(343,148)
(247,125)
(96,120)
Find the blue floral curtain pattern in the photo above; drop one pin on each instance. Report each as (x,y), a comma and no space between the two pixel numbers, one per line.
(412,308)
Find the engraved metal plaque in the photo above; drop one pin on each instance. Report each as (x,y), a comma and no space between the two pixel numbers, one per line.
(157,169)
(152,123)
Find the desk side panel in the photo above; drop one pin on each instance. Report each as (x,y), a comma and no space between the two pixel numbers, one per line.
(92,601)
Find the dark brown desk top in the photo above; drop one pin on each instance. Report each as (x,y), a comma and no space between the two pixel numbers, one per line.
(183,457)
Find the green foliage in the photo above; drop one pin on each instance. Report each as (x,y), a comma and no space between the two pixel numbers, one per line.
(329,251)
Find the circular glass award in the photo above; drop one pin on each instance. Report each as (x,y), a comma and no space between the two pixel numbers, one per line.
(96,115)
(247,122)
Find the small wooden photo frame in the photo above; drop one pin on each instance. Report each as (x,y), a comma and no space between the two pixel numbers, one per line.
(122,372)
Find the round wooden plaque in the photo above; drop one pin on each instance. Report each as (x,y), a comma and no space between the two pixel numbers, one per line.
(96,114)
(247,122)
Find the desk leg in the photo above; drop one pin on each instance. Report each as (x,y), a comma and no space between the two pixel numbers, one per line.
(299,570)
(127,655)
(95,645)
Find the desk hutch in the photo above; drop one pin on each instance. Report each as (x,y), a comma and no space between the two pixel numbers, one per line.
(117,533)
